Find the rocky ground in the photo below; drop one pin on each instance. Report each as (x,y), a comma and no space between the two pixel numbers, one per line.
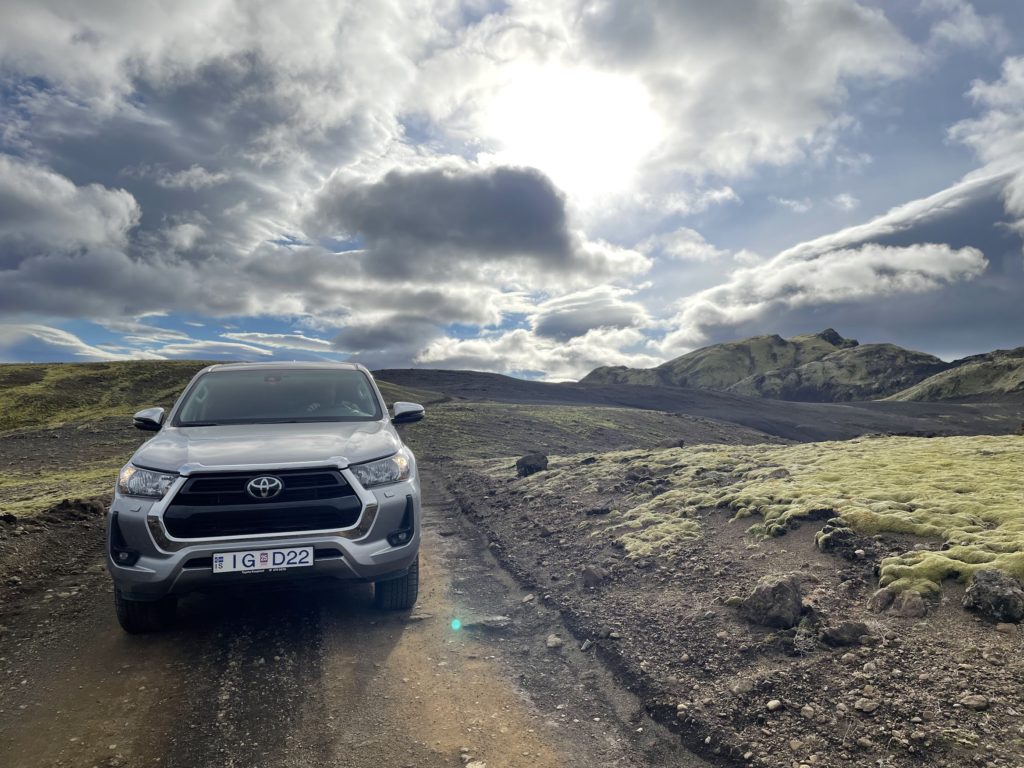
(831,684)
(592,656)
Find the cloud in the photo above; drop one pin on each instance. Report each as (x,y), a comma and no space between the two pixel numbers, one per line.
(844,202)
(194,177)
(427,222)
(282,341)
(41,209)
(869,272)
(960,25)
(573,315)
(796,206)
(523,352)
(684,244)
(48,342)
(209,350)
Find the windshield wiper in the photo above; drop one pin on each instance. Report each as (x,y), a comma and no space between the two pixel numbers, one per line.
(200,424)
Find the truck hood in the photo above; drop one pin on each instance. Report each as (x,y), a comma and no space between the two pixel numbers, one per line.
(195,449)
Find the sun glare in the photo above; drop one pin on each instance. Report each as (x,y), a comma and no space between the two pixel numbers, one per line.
(589,131)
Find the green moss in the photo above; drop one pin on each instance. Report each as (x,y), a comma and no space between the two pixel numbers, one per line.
(28,493)
(965,492)
(56,393)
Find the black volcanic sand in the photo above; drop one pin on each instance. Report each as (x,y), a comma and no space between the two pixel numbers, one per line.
(790,420)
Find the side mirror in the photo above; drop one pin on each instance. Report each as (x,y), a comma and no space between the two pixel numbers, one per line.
(406,413)
(149,420)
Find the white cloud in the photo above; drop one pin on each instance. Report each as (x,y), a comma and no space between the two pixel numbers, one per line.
(520,350)
(194,177)
(200,350)
(60,340)
(41,208)
(997,135)
(796,206)
(684,244)
(282,341)
(844,202)
(573,315)
(961,25)
(804,277)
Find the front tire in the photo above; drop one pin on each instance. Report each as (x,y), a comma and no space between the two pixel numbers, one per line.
(137,617)
(399,594)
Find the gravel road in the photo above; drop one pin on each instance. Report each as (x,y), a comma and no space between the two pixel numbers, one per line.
(317,677)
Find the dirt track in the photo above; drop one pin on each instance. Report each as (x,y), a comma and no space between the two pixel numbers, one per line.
(315,677)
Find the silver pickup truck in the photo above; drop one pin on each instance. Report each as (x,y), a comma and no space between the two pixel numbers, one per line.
(263,472)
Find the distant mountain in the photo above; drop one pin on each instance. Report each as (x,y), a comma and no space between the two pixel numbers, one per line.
(864,372)
(825,367)
(995,375)
(721,366)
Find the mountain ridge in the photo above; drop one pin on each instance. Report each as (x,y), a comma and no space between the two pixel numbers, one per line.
(827,367)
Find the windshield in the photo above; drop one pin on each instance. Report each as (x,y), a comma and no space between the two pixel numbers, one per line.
(278,396)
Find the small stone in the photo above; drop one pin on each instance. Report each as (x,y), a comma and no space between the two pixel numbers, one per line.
(849,658)
(881,600)
(995,595)
(776,601)
(774,705)
(807,711)
(974,701)
(909,605)
(530,464)
(865,743)
(734,601)
(587,644)
(867,706)
(529,598)
(845,633)
(554,641)
(795,744)
(594,575)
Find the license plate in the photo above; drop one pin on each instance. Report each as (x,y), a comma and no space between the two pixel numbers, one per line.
(255,560)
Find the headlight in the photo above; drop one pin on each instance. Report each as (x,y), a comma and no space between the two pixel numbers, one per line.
(144,482)
(393,469)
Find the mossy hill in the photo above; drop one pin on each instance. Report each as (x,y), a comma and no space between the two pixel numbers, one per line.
(997,375)
(720,366)
(864,372)
(47,394)
(825,367)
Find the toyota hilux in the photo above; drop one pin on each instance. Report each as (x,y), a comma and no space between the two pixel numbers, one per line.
(263,472)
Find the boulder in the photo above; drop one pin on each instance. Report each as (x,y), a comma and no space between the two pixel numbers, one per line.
(995,595)
(881,600)
(775,602)
(531,463)
(908,605)
(593,575)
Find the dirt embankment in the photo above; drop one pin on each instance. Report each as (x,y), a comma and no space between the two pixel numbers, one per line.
(846,687)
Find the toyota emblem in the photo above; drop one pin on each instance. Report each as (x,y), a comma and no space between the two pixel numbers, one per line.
(264,487)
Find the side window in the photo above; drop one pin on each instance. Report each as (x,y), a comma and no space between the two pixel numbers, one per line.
(193,410)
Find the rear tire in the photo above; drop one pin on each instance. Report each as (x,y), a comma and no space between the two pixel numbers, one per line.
(399,594)
(138,617)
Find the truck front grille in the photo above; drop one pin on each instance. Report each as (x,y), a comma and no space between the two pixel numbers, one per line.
(213,505)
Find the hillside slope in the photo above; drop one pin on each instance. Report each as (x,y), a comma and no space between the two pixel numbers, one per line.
(720,366)
(996,375)
(48,394)
(864,372)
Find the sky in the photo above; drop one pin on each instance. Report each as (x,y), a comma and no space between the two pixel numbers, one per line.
(534,188)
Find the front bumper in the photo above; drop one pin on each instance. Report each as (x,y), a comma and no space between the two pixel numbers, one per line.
(168,566)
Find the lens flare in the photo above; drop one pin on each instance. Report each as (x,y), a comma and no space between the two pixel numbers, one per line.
(456,625)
